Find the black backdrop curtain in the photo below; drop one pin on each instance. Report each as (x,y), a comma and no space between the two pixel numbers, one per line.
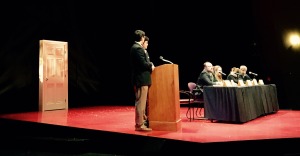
(99,37)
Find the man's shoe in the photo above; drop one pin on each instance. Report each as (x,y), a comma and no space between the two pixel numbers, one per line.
(142,128)
(146,123)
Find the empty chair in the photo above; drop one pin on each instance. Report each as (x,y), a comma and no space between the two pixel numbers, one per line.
(192,97)
(186,98)
(197,96)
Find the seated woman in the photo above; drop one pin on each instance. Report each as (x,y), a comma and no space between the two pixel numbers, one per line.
(218,73)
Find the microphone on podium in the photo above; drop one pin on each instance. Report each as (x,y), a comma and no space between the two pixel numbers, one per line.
(160,57)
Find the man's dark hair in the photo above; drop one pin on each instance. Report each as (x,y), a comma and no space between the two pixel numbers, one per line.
(138,34)
(146,38)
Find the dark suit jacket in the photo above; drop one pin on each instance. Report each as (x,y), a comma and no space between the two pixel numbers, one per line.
(245,77)
(233,77)
(206,79)
(140,65)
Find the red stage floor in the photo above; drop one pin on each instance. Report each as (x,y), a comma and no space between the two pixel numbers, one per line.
(120,119)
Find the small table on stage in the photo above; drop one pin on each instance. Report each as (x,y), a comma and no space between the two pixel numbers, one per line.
(239,104)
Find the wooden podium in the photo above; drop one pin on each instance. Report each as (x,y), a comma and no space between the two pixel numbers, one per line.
(163,99)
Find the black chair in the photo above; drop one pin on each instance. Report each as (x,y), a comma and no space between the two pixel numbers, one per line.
(193,99)
(197,95)
(186,98)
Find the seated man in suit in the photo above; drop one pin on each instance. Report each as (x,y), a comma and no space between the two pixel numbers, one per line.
(243,74)
(206,77)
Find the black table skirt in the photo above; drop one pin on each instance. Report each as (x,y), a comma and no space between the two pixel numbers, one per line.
(239,104)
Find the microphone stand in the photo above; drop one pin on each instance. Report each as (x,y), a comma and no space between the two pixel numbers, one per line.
(165,60)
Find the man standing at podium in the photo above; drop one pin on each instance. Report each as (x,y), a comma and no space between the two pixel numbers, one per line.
(141,78)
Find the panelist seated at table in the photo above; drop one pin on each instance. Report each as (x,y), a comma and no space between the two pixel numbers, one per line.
(206,77)
(218,73)
(233,76)
(243,74)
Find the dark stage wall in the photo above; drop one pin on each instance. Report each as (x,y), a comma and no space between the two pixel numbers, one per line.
(186,33)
